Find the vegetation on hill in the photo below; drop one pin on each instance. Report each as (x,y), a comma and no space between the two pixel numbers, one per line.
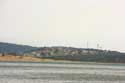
(79,54)
(8,48)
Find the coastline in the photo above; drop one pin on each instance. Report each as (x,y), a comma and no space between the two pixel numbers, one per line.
(31,59)
(12,58)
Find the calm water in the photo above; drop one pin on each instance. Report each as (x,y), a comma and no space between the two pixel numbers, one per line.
(63,72)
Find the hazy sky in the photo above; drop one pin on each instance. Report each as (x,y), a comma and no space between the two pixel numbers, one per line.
(64,23)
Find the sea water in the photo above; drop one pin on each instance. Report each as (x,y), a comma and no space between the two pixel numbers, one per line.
(61,72)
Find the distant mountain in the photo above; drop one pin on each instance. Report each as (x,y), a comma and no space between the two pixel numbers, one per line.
(15,49)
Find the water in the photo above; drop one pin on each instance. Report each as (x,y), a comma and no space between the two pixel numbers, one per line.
(61,72)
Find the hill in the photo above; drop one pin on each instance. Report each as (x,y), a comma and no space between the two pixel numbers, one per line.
(78,54)
(9,48)
(62,53)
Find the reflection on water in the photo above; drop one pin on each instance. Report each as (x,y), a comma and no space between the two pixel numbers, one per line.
(55,72)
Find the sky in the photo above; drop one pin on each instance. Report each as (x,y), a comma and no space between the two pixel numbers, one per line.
(64,23)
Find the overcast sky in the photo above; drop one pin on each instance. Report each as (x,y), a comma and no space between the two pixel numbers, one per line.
(64,23)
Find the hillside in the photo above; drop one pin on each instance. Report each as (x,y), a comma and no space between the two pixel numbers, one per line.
(78,54)
(62,53)
(25,59)
(14,48)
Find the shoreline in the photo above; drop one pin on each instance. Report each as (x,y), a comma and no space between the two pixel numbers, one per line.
(31,59)
(13,58)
